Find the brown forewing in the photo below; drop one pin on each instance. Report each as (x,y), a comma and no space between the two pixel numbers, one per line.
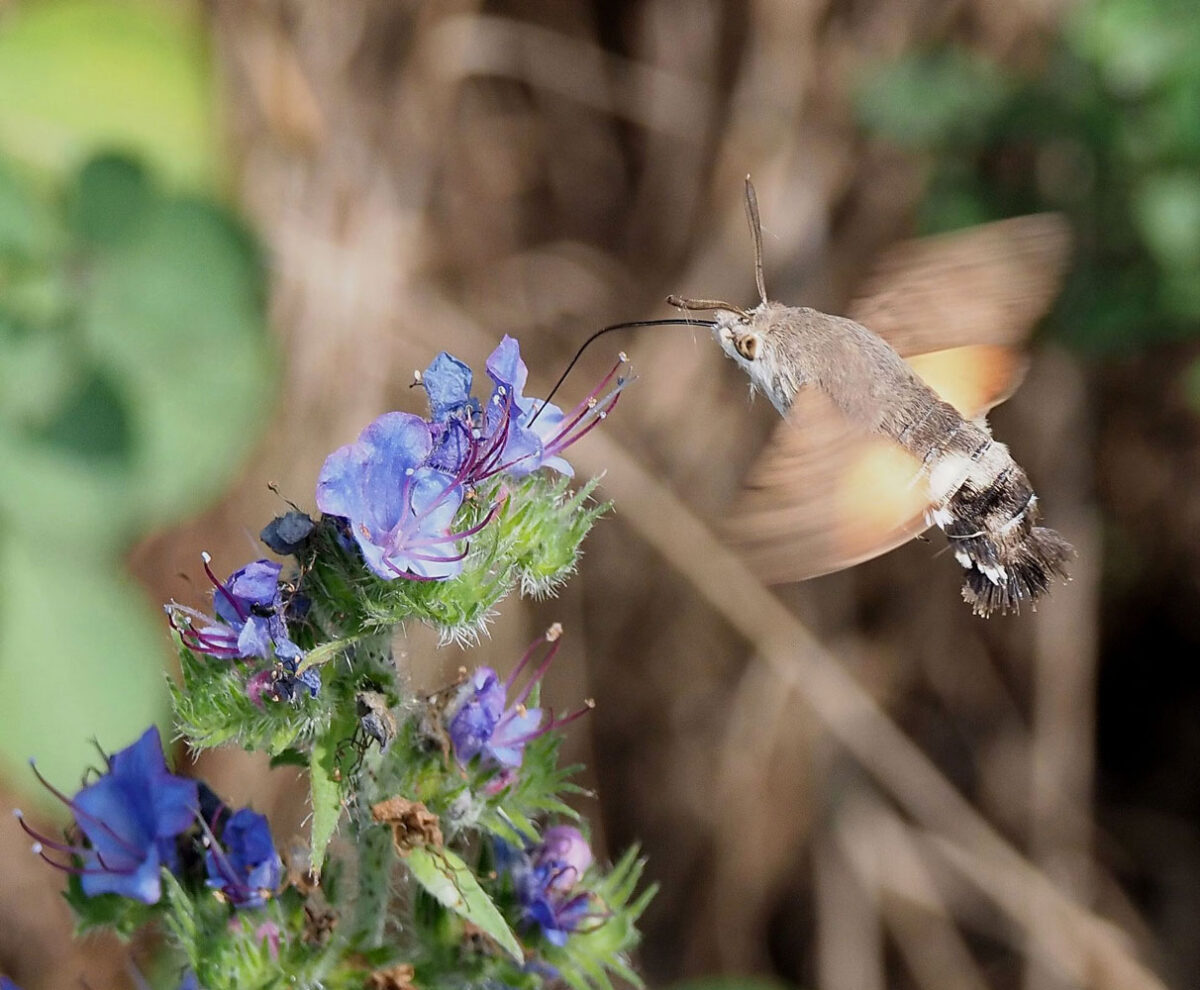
(957,307)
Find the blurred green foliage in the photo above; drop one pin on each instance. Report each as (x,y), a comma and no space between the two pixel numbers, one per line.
(131,75)
(135,370)
(1104,126)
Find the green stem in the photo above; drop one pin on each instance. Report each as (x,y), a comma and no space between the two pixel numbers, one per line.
(332,650)
(375,859)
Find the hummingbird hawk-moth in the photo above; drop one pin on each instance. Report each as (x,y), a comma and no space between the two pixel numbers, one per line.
(885,433)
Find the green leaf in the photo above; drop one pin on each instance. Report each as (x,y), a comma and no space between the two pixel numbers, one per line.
(1166,207)
(83,75)
(105,911)
(111,199)
(36,373)
(24,222)
(1135,43)
(449,880)
(165,329)
(591,954)
(93,424)
(80,655)
(212,708)
(177,315)
(537,791)
(938,98)
(289,757)
(326,786)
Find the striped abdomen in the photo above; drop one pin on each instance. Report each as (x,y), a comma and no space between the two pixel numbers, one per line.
(984,503)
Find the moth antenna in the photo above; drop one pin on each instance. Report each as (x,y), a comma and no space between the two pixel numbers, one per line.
(703,304)
(609,329)
(756,233)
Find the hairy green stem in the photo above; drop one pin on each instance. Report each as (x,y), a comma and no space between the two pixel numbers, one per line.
(374,882)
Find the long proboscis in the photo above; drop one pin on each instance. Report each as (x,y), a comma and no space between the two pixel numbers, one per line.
(675,322)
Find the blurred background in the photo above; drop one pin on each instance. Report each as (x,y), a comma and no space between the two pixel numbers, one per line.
(230,231)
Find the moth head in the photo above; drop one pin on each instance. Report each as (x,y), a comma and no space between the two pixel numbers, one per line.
(758,342)
(739,337)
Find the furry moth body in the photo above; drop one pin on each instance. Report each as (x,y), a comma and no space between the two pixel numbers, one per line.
(959,477)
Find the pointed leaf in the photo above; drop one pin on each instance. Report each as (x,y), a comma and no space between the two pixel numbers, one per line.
(326,792)
(450,881)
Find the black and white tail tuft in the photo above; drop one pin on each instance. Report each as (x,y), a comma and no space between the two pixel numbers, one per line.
(1009,559)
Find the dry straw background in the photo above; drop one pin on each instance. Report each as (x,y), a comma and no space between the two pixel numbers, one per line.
(850,784)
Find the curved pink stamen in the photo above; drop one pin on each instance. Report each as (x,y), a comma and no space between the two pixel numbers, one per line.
(228,595)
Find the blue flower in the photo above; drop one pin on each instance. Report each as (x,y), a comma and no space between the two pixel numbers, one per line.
(481,723)
(533,432)
(514,434)
(189,981)
(249,619)
(565,855)
(447,382)
(242,863)
(545,877)
(130,819)
(400,510)
(455,418)
(524,448)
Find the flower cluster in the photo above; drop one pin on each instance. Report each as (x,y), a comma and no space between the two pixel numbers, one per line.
(129,821)
(249,622)
(241,860)
(481,723)
(454,777)
(546,876)
(401,484)
(138,818)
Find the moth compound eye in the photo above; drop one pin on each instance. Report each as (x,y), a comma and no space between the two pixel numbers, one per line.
(746,345)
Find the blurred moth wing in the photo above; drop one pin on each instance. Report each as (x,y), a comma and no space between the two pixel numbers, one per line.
(957,307)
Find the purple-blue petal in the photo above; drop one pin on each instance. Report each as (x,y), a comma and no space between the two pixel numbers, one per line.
(117,819)
(254,638)
(505,367)
(475,713)
(142,760)
(338,488)
(175,802)
(311,679)
(367,481)
(522,451)
(376,557)
(425,532)
(142,882)
(257,582)
(398,444)
(447,382)
(286,650)
(565,856)
(507,744)
(250,865)
(453,441)
(130,817)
